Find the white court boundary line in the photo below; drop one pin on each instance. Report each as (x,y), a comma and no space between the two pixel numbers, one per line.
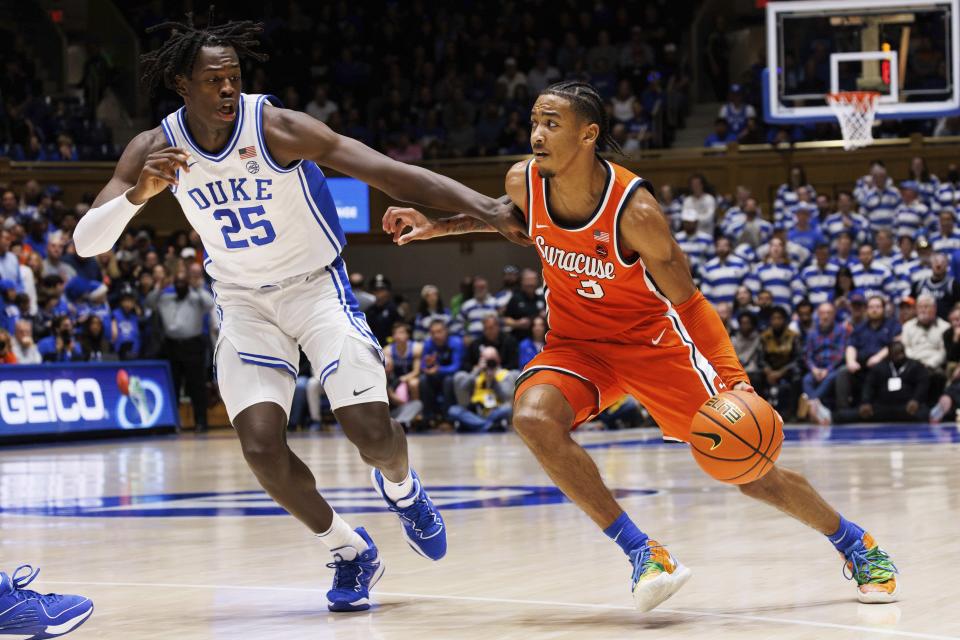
(549,603)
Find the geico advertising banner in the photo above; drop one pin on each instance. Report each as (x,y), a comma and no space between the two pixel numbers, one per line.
(69,397)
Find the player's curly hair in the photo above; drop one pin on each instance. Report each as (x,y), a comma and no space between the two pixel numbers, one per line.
(587,102)
(177,55)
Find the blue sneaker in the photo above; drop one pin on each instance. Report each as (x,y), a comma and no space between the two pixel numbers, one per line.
(33,616)
(353,579)
(422,523)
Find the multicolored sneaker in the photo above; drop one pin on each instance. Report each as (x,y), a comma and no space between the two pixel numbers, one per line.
(656,575)
(33,616)
(353,579)
(873,570)
(422,524)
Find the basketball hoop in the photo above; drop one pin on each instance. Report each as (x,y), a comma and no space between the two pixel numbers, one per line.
(855,110)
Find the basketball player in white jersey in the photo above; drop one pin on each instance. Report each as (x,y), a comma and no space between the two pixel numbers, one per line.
(243,170)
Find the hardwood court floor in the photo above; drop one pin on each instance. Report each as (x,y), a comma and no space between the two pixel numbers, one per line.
(172,539)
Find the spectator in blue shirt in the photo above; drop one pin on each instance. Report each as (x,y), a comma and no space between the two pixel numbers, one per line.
(9,265)
(721,135)
(442,357)
(804,232)
(825,350)
(869,345)
(60,345)
(125,326)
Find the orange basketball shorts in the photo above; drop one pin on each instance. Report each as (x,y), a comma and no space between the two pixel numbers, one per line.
(667,374)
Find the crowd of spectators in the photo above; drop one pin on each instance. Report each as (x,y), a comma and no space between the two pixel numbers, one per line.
(842,307)
(815,295)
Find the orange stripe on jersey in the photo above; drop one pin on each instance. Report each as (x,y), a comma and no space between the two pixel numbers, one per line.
(594,292)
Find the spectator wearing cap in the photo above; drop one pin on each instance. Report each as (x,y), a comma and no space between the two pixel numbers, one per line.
(53,263)
(872,278)
(696,245)
(24,348)
(747,226)
(383,314)
(89,298)
(906,310)
(525,305)
(804,232)
(825,348)
(476,309)
(702,201)
(746,343)
(183,309)
(781,359)
(940,285)
(877,196)
(431,308)
(912,217)
(947,238)
(721,276)
(735,112)
(60,345)
(721,136)
(819,279)
(125,326)
(511,282)
(365,299)
(869,345)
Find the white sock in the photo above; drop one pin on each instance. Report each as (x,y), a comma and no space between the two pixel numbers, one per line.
(397,491)
(342,539)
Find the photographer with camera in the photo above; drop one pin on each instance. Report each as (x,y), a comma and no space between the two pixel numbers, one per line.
(60,345)
(491,404)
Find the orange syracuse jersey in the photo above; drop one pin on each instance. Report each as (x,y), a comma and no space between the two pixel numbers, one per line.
(594,289)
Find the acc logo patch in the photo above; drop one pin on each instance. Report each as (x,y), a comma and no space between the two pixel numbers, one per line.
(253,167)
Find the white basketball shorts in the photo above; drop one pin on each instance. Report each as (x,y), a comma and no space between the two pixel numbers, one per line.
(257,356)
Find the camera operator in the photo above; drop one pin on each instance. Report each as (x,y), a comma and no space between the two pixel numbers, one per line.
(60,345)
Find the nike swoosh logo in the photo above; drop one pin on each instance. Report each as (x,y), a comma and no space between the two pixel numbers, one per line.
(192,163)
(361,392)
(617,537)
(657,341)
(713,437)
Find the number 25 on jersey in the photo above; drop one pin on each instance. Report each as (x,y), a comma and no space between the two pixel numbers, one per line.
(252,230)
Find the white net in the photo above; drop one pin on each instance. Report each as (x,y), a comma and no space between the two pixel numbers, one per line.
(855,110)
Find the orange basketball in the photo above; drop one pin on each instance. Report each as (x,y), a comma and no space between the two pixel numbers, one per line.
(736,437)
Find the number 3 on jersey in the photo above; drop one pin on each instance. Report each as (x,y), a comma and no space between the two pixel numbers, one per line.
(233,226)
(590,289)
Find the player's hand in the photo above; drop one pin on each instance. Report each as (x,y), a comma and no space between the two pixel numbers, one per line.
(744,386)
(159,172)
(866,411)
(508,221)
(417,226)
(912,407)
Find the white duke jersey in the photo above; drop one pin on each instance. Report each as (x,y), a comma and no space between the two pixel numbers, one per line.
(260,222)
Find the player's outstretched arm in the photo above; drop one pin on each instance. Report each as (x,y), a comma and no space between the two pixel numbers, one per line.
(292,135)
(406,224)
(644,230)
(147,167)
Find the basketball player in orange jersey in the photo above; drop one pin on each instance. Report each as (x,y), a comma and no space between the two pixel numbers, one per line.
(624,317)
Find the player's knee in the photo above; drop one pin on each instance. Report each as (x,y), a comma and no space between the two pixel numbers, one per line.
(370,430)
(265,453)
(536,426)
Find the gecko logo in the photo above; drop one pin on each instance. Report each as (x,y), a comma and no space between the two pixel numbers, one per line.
(46,401)
(258,503)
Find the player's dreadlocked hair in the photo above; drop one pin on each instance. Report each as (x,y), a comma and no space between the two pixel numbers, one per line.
(177,55)
(588,103)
